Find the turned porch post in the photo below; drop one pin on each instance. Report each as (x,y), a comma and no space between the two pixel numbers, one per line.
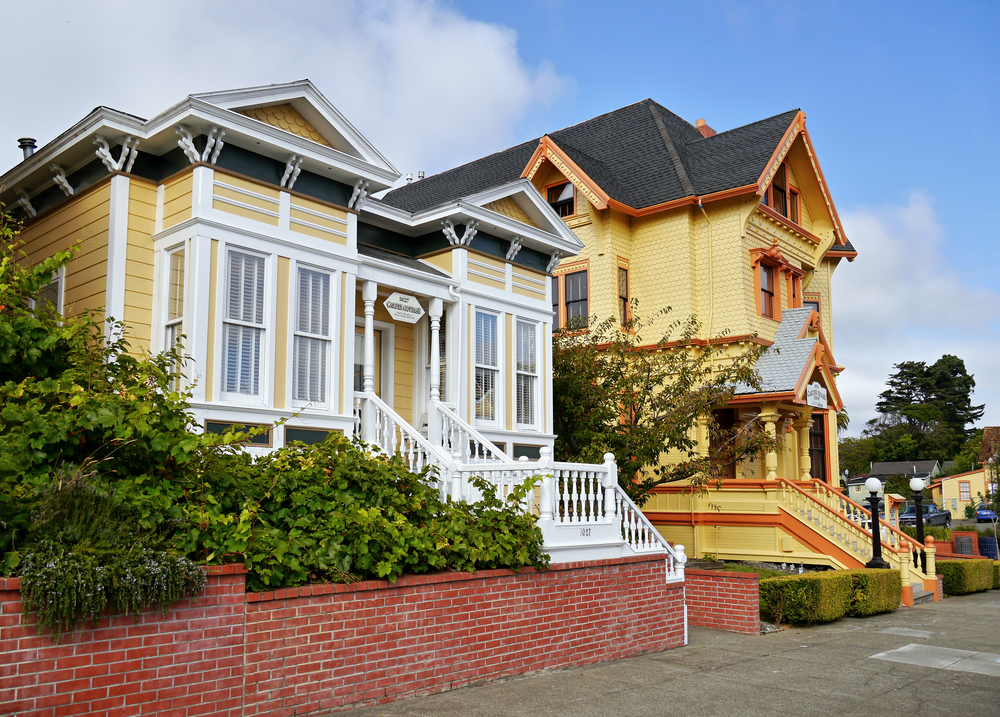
(369,292)
(805,464)
(771,458)
(433,419)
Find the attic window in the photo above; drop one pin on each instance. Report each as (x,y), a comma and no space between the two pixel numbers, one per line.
(782,197)
(562,199)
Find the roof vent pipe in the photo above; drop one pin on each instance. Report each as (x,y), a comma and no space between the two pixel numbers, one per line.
(409,177)
(27,145)
(420,174)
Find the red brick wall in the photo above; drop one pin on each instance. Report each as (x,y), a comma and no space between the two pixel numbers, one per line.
(723,600)
(309,649)
(322,647)
(189,663)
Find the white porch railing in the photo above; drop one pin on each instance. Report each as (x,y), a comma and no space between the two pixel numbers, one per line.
(446,428)
(581,509)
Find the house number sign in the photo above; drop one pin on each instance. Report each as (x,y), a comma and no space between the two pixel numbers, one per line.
(403,307)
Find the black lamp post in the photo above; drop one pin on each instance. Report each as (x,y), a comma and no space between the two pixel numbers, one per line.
(917,486)
(874,485)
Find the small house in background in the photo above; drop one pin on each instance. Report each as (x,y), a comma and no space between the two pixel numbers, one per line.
(924,470)
(954,493)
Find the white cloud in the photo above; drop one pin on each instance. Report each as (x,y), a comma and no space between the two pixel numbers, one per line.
(427,85)
(903,300)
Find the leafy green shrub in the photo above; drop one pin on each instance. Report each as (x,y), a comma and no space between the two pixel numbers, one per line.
(965,576)
(85,555)
(333,512)
(936,531)
(874,592)
(996,574)
(806,599)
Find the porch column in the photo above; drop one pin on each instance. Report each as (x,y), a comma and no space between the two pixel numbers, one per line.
(771,458)
(436,309)
(369,292)
(433,420)
(805,464)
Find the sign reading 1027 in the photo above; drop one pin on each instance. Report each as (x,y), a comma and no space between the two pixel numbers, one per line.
(403,307)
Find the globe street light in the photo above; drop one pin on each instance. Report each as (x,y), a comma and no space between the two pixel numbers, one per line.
(917,486)
(873,486)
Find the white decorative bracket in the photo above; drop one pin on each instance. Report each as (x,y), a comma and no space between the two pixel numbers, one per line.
(515,247)
(25,202)
(130,149)
(59,175)
(553,262)
(214,141)
(453,238)
(186,142)
(292,169)
(360,195)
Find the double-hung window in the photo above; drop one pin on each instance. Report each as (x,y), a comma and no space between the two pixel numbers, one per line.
(487,367)
(562,199)
(243,326)
(767,290)
(173,325)
(577,299)
(312,337)
(527,372)
(623,295)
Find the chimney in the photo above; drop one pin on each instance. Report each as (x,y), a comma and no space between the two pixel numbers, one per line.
(420,175)
(27,145)
(409,177)
(705,130)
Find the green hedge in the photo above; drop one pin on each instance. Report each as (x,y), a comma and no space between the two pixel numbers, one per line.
(874,592)
(806,599)
(965,576)
(996,574)
(823,597)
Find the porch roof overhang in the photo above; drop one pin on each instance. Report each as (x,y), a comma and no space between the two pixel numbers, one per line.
(468,209)
(421,280)
(74,148)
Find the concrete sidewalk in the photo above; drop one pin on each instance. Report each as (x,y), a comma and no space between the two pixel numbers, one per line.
(933,659)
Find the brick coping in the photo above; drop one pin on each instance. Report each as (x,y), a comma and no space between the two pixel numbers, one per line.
(698,572)
(14,584)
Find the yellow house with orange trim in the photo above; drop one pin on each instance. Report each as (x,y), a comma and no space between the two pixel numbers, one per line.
(737,228)
(953,493)
(241,224)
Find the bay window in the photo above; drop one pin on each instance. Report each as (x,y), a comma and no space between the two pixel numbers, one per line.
(527,372)
(487,367)
(243,326)
(312,337)
(173,325)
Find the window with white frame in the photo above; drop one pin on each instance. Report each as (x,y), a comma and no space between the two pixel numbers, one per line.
(527,372)
(173,325)
(51,293)
(243,326)
(312,337)
(487,367)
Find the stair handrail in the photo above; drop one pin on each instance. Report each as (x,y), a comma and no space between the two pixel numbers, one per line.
(914,546)
(900,535)
(441,458)
(473,433)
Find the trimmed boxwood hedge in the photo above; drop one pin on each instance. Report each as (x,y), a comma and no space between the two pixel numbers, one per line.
(806,599)
(823,597)
(996,574)
(874,592)
(965,576)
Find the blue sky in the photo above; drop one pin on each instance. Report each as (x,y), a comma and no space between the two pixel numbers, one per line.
(901,98)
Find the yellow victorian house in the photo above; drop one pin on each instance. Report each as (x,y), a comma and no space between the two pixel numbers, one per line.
(739,229)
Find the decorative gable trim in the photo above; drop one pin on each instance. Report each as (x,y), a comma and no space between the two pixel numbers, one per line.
(817,362)
(796,129)
(813,323)
(549,150)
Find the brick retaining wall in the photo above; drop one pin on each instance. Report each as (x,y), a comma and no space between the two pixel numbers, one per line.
(723,600)
(308,649)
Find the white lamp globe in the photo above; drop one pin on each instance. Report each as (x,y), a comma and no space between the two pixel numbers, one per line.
(916,484)
(873,485)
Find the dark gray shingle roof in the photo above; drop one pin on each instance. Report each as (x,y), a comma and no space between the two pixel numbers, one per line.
(626,154)
(782,364)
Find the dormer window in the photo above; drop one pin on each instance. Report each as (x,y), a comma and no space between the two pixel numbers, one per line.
(562,199)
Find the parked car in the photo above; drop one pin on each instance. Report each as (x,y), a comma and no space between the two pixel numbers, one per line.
(932,516)
(985,514)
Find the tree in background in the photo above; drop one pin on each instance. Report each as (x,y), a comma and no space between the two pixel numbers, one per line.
(924,414)
(926,409)
(639,394)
